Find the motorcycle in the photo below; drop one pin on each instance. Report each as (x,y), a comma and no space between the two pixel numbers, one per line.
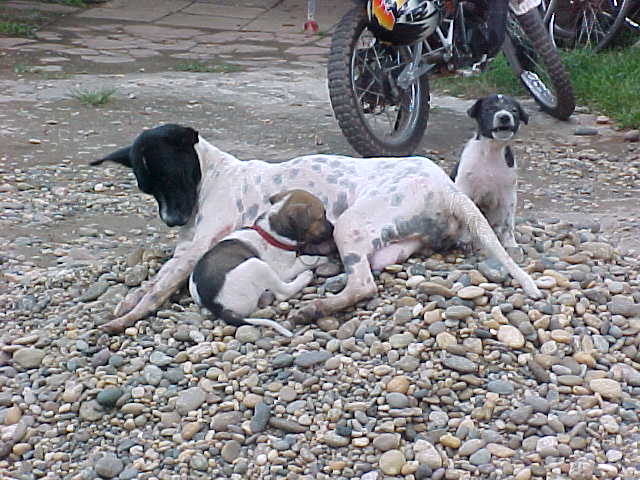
(380,92)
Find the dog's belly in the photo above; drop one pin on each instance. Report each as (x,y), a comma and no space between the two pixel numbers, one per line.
(242,288)
(394,253)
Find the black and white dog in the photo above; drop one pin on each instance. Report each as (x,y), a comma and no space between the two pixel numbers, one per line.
(383,211)
(270,255)
(487,170)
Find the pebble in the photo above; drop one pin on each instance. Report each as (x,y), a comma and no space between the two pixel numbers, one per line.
(28,358)
(189,400)
(606,387)
(391,462)
(511,336)
(386,441)
(459,364)
(109,466)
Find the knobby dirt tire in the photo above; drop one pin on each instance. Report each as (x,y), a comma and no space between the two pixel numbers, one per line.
(541,43)
(345,103)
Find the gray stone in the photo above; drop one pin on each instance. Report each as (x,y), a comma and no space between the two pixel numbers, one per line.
(108,397)
(160,359)
(190,399)
(310,358)
(109,466)
(260,419)
(94,291)
(282,360)
(28,358)
(460,364)
(230,451)
(480,457)
(152,374)
(247,334)
(221,421)
(500,386)
(90,410)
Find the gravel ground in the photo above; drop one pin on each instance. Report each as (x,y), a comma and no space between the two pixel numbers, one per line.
(449,372)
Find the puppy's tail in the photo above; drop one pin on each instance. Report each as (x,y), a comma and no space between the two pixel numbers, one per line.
(264,322)
(463,209)
(232,319)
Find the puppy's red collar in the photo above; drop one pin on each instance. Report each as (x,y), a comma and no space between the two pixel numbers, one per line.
(273,241)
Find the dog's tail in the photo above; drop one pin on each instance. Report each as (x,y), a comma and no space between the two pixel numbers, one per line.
(265,322)
(463,209)
(233,319)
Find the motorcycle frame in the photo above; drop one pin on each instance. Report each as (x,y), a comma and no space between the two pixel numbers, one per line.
(422,63)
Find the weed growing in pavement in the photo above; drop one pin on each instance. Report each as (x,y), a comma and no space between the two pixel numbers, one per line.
(94,98)
(16,29)
(199,67)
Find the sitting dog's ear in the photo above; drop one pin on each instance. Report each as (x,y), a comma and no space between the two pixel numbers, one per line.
(119,156)
(524,116)
(277,197)
(474,109)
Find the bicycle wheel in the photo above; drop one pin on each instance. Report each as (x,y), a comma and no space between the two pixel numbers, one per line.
(535,61)
(377,116)
(587,23)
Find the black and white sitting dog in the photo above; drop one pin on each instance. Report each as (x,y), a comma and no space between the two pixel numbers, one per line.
(230,278)
(487,170)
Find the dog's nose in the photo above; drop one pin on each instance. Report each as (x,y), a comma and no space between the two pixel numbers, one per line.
(504,118)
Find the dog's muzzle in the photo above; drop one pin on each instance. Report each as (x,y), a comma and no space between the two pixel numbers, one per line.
(504,125)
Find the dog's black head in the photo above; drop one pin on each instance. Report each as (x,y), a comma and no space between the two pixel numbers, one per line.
(498,116)
(166,166)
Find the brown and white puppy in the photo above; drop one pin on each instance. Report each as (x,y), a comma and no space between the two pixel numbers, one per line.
(230,278)
(487,170)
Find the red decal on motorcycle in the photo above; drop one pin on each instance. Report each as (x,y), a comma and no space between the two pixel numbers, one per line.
(385,17)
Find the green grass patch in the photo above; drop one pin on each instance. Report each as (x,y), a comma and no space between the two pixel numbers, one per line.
(16,29)
(73,3)
(200,67)
(606,82)
(94,98)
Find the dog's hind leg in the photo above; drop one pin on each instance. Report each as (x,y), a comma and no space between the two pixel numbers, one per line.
(355,247)
(462,208)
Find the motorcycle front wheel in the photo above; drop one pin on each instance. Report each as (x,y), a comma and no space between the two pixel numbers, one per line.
(533,57)
(377,116)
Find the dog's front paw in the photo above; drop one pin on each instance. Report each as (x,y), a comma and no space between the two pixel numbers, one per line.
(532,291)
(129,302)
(516,253)
(305,315)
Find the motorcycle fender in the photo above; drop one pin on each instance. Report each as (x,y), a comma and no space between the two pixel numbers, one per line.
(520,7)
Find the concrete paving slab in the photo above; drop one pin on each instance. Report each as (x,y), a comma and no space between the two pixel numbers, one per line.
(218,10)
(202,21)
(46,7)
(138,11)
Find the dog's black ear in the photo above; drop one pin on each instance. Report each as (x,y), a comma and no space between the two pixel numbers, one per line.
(474,109)
(524,116)
(120,156)
(186,137)
(141,171)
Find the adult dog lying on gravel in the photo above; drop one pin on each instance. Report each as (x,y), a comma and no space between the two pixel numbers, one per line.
(383,210)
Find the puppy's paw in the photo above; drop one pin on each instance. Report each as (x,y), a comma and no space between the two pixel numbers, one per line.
(304,315)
